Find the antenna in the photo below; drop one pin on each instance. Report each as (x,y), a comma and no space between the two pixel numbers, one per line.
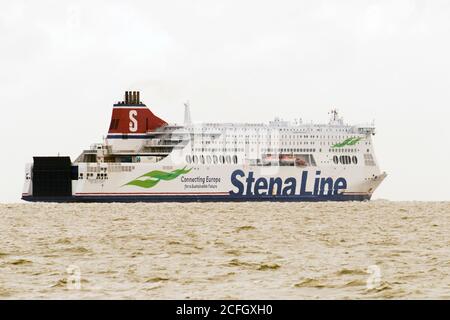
(187,113)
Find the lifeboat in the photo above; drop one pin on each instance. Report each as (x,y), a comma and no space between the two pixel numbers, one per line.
(299,162)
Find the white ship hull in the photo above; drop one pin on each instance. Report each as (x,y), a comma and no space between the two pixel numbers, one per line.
(226,183)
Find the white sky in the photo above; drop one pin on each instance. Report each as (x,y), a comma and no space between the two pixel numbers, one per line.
(64,63)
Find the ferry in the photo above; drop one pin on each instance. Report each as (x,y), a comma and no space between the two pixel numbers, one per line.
(146,159)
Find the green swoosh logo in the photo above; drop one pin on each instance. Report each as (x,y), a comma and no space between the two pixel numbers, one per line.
(152,178)
(354,141)
(348,142)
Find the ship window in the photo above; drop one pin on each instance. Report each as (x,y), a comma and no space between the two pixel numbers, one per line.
(228,159)
(222,159)
(368,159)
(355,160)
(215,159)
(195,159)
(235,159)
(208,159)
(188,159)
(335,160)
(202,159)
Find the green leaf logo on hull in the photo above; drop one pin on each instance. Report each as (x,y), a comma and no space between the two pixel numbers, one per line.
(152,178)
(348,142)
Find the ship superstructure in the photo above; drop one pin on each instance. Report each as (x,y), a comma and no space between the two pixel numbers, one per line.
(144,158)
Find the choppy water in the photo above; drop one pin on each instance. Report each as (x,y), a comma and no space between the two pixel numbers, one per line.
(376,249)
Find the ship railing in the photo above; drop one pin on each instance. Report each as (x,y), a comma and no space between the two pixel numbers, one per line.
(90,151)
(366,130)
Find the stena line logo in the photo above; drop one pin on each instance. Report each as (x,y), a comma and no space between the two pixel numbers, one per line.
(133,121)
(251,186)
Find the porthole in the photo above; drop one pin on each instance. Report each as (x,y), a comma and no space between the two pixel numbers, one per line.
(222,159)
(336,160)
(235,159)
(208,159)
(355,160)
(215,159)
(188,159)
(202,159)
(228,159)
(341,159)
(195,159)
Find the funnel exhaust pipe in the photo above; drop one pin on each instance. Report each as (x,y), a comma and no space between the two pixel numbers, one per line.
(132,98)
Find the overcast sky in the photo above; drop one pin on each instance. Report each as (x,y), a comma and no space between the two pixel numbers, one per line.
(64,63)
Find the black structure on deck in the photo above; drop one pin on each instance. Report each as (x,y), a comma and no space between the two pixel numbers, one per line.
(52,177)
